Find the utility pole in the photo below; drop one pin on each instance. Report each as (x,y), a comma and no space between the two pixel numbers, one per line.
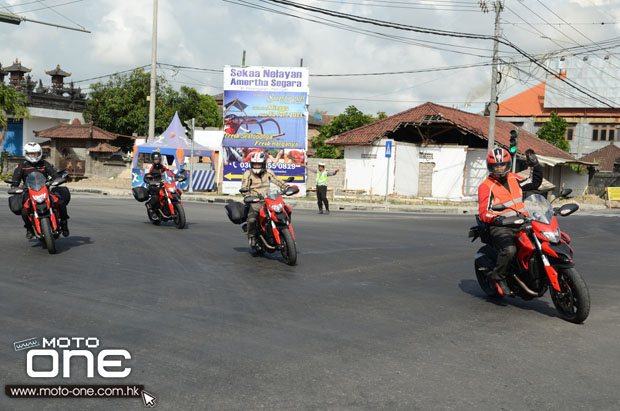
(498,6)
(153,75)
(243,59)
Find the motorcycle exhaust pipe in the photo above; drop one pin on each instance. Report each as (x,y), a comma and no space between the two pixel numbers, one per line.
(525,287)
(265,242)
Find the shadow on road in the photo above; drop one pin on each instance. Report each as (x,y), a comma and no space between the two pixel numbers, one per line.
(471,287)
(64,244)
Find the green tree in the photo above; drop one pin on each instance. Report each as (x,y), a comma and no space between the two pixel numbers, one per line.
(554,132)
(120,106)
(11,102)
(350,119)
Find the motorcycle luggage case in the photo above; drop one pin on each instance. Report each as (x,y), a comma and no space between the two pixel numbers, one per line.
(15,204)
(237,212)
(141,194)
(63,193)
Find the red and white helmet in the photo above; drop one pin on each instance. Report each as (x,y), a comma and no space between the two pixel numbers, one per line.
(258,162)
(499,162)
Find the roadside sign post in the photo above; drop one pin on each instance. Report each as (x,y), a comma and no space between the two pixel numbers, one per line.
(388,155)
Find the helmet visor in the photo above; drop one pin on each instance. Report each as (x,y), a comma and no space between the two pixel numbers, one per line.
(33,155)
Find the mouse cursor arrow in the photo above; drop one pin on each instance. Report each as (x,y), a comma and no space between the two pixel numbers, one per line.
(149,399)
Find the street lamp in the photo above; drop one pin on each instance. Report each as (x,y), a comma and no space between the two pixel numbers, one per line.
(10,18)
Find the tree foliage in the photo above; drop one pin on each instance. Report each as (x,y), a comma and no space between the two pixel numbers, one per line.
(554,132)
(11,102)
(350,119)
(120,106)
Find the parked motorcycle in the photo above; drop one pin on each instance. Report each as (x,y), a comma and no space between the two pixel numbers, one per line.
(45,219)
(170,206)
(544,258)
(274,231)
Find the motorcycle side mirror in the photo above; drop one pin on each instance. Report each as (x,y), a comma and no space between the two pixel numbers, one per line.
(291,191)
(567,209)
(291,178)
(181,178)
(244,190)
(15,191)
(498,207)
(8,181)
(564,193)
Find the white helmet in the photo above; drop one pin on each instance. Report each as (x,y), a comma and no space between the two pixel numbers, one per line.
(258,162)
(33,152)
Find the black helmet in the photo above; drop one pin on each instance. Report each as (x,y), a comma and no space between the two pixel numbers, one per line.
(156,157)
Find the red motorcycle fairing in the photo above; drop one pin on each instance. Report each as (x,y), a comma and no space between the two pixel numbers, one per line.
(48,206)
(525,249)
(164,193)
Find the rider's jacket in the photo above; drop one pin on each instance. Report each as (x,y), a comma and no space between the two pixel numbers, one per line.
(259,184)
(24,169)
(508,191)
(157,170)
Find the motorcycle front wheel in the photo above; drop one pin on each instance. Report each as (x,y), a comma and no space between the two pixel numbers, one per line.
(48,237)
(179,216)
(482,273)
(289,249)
(573,301)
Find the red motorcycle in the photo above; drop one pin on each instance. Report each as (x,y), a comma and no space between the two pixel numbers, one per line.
(544,258)
(274,230)
(45,219)
(170,206)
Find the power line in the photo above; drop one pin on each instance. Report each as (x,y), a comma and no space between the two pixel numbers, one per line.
(438,32)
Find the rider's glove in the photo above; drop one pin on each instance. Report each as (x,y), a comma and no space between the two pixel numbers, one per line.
(499,220)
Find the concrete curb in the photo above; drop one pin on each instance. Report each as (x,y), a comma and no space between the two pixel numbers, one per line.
(311,204)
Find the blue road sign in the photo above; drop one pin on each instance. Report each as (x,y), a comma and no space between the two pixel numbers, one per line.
(388,149)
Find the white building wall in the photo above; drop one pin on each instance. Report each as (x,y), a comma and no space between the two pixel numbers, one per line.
(406,168)
(367,168)
(475,171)
(448,173)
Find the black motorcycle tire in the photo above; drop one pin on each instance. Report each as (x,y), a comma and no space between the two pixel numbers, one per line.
(483,275)
(179,216)
(289,249)
(48,237)
(573,303)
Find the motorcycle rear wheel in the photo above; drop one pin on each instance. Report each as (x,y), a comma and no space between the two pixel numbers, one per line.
(48,237)
(289,249)
(573,302)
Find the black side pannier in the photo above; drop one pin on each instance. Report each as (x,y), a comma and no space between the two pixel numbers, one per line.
(15,204)
(141,194)
(63,193)
(237,212)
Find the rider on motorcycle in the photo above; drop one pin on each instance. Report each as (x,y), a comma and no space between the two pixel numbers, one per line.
(258,180)
(34,162)
(504,187)
(157,169)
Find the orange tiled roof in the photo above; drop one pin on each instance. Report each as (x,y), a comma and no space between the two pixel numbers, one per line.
(474,123)
(528,103)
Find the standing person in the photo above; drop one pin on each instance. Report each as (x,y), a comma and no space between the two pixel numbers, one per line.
(504,187)
(321,185)
(258,179)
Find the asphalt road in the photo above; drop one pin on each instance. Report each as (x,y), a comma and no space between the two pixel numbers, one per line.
(381,312)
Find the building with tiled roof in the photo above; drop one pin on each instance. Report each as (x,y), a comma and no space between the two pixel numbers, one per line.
(607,158)
(439,152)
(591,124)
(79,148)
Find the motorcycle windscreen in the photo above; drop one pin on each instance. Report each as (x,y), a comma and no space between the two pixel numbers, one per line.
(35,181)
(539,208)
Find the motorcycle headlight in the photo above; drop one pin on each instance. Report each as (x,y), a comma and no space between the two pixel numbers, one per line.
(277,207)
(40,198)
(172,189)
(552,236)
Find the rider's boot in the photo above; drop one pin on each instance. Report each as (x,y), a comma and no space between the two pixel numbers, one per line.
(64,225)
(29,232)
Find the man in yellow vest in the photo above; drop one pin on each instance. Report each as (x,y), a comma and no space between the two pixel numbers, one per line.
(504,187)
(321,185)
